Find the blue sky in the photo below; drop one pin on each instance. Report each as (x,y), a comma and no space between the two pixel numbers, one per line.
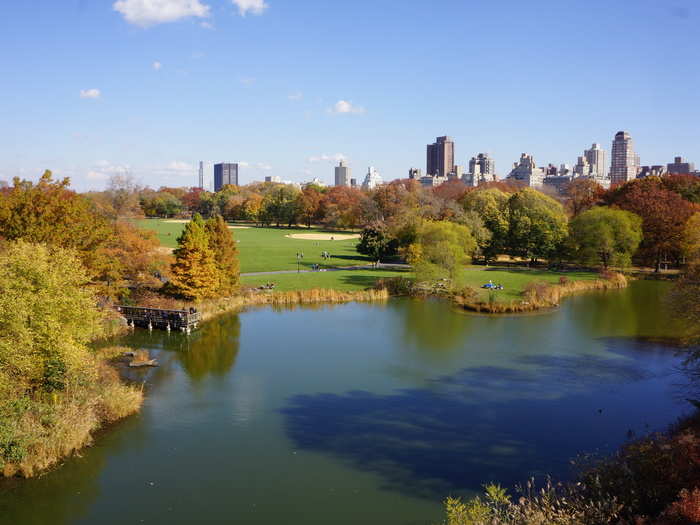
(93,87)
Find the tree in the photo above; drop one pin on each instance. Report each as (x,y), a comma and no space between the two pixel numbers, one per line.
(491,205)
(194,273)
(691,239)
(48,212)
(309,205)
(582,194)
(280,206)
(664,215)
(376,242)
(342,207)
(223,246)
(440,250)
(46,315)
(537,225)
(607,236)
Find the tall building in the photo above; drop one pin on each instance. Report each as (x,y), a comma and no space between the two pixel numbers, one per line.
(483,167)
(440,158)
(225,173)
(343,174)
(680,167)
(624,164)
(201,175)
(527,172)
(372,179)
(596,161)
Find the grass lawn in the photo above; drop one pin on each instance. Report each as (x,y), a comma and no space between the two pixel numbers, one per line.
(514,280)
(267,249)
(344,280)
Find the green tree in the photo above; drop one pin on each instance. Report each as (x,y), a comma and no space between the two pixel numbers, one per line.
(223,246)
(440,250)
(280,205)
(491,205)
(376,242)
(604,235)
(537,225)
(46,315)
(194,272)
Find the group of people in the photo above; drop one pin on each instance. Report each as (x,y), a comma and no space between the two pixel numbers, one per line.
(325,255)
(489,285)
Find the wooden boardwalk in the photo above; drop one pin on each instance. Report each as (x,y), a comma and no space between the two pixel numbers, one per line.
(184,320)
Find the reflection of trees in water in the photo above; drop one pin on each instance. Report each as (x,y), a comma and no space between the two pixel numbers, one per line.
(640,310)
(66,494)
(481,424)
(431,325)
(212,349)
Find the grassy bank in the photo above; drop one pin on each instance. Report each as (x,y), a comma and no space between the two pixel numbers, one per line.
(341,280)
(537,295)
(38,432)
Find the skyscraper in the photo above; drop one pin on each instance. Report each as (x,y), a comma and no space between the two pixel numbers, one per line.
(440,158)
(201,175)
(225,173)
(596,161)
(624,164)
(343,174)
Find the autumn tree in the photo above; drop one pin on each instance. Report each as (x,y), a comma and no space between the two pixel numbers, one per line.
(537,225)
(605,236)
(582,194)
(223,246)
(342,207)
(194,273)
(664,215)
(279,206)
(309,205)
(440,250)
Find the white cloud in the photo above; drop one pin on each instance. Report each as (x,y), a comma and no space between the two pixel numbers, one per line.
(263,166)
(343,107)
(103,169)
(246,81)
(337,157)
(90,93)
(256,7)
(206,25)
(146,13)
(177,167)
(157,65)
(296,96)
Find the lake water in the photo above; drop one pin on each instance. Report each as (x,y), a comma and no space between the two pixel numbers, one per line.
(365,413)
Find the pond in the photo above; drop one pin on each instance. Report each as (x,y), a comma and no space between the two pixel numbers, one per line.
(366,413)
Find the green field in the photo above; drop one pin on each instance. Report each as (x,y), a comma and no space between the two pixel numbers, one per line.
(267,249)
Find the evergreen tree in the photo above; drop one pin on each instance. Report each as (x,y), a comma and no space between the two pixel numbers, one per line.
(195,274)
(223,246)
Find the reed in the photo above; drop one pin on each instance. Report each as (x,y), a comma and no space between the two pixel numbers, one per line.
(212,308)
(50,429)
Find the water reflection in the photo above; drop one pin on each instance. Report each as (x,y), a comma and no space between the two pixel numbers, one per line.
(431,328)
(67,493)
(213,349)
(485,423)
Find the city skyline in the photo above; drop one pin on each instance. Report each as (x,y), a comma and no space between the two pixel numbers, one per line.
(104,88)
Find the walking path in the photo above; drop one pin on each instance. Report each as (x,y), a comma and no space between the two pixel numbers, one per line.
(335,269)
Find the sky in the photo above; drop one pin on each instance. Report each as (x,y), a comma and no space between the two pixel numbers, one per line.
(90,88)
